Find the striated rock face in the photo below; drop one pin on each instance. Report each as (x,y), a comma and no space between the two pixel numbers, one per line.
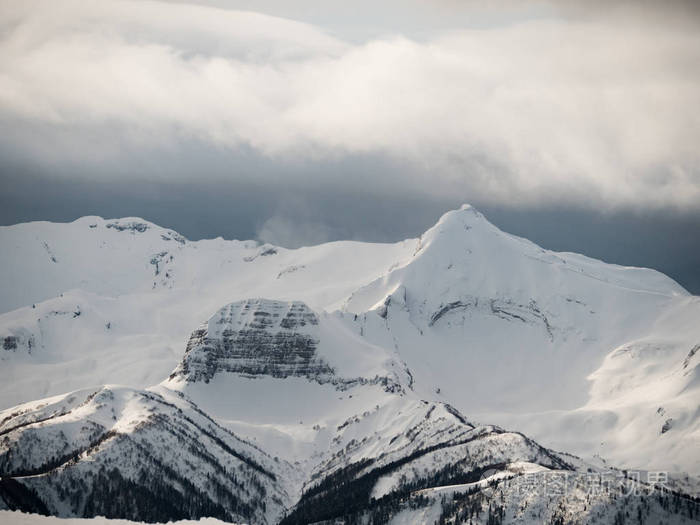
(130,226)
(256,337)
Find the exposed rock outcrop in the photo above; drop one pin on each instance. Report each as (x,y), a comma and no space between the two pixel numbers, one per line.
(256,337)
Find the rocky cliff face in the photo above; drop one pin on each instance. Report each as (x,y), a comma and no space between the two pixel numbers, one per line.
(256,337)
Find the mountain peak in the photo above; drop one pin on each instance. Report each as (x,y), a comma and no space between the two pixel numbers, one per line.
(451,231)
(464,257)
(464,214)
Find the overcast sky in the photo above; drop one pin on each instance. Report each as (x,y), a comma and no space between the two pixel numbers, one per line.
(574,123)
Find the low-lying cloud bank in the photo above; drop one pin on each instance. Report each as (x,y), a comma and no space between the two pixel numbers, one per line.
(586,109)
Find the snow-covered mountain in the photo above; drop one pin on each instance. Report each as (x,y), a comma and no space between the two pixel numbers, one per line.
(341,393)
(350,437)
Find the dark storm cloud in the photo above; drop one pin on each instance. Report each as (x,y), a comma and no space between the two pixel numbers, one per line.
(538,105)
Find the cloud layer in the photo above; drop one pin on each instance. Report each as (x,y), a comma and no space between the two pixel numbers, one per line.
(589,110)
